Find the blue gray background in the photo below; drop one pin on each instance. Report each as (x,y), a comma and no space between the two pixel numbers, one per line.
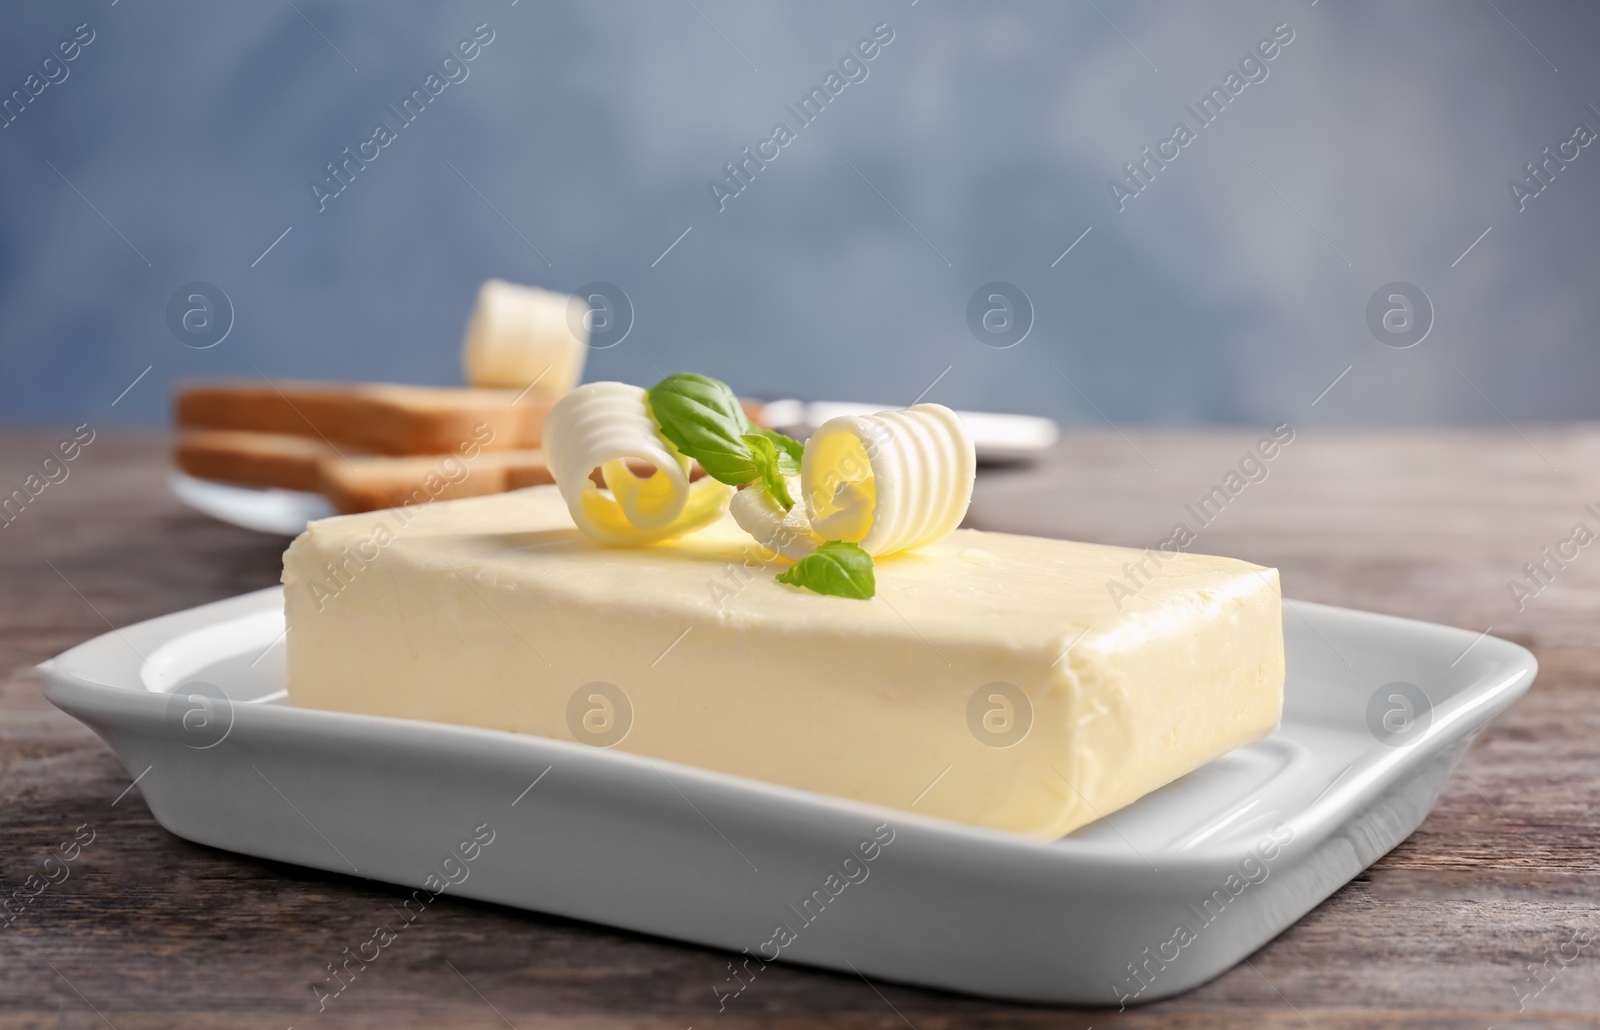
(1233,290)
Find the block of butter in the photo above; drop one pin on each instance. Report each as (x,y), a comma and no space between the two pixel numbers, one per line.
(1010,682)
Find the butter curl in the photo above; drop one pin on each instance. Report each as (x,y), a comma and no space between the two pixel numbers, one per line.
(890,481)
(607,426)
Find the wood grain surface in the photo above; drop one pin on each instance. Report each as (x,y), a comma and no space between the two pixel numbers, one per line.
(1450,929)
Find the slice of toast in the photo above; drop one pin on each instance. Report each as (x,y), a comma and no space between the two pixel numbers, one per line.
(379,418)
(370,483)
(354,481)
(253,459)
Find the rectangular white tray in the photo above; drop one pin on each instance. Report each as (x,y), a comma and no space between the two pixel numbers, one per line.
(1153,900)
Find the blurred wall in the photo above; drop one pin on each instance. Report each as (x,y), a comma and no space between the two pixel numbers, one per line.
(1232,282)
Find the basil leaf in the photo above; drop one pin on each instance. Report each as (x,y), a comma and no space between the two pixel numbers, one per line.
(704,420)
(789,451)
(836,567)
(769,467)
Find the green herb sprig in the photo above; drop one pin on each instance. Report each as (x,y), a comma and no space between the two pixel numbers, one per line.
(837,567)
(704,420)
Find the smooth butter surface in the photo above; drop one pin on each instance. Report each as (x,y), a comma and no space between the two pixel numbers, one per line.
(495,612)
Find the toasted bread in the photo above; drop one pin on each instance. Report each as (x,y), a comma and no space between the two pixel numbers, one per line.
(369,483)
(368,446)
(253,459)
(375,417)
(354,481)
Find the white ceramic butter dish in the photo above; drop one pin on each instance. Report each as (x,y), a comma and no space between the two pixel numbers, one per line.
(1157,898)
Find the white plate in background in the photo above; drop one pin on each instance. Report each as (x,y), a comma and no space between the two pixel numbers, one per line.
(284,512)
(998,438)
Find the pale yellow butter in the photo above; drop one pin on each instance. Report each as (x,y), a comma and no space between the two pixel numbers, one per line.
(496,611)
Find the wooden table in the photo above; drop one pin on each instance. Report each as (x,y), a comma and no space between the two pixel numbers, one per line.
(152,931)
